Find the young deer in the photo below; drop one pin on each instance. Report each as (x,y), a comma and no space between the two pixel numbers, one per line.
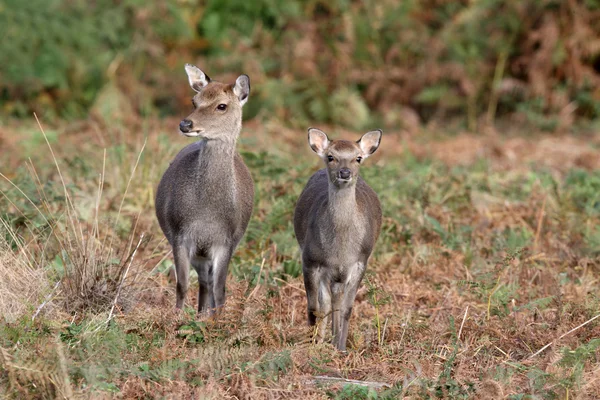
(337,221)
(205,198)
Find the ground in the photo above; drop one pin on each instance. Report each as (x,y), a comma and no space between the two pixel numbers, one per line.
(483,283)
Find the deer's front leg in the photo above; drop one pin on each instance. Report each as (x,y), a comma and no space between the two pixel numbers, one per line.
(182,272)
(311,286)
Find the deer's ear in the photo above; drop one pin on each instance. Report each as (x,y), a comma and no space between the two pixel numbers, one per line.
(318,141)
(369,142)
(242,88)
(198,79)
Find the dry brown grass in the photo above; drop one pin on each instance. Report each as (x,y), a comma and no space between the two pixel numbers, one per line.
(462,321)
(22,283)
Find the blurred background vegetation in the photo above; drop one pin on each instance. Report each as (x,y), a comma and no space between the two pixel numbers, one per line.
(499,234)
(344,62)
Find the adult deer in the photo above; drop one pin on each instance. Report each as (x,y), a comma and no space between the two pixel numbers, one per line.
(205,198)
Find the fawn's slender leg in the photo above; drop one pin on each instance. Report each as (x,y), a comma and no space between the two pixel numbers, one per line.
(324,304)
(344,302)
(346,312)
(337,294)
(203,267)
(220,262)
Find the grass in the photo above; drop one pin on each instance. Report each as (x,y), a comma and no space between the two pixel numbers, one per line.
(487,255)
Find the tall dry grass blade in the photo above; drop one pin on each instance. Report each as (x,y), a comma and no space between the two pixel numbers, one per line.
(112,309)
(46,301)
(24,195)
(137,219)
(5,224)
(127,189)
(96,227)
(38,186)
(46,204)
(463,322)
(18,210)
(22,248)
(23,279)
(75,223)
(160,261)
(258,279)
(384,330)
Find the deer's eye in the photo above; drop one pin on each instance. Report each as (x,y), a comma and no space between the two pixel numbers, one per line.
(222,107)
(358,159)
(330,158)
(194,103)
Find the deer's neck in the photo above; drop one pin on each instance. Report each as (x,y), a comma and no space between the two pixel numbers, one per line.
(342,206)
(217,162)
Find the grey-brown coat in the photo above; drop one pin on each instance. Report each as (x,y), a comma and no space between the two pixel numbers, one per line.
(337,221)
(205,198)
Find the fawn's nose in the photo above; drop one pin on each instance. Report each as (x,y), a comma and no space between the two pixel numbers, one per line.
(345,173)
(185,125)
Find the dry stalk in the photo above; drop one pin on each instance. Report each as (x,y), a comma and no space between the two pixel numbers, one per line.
(126,190)
(110,314)
(563,335)
(329,379)
(463,322)
(46,300)
(70,206)
(258,280)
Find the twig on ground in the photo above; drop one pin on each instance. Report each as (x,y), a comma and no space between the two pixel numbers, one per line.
(563,335)
(290,285)
(329,379)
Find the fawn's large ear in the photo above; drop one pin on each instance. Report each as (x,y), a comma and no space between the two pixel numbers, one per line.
(369,142)
(242,88)
(318,141)
(197,78)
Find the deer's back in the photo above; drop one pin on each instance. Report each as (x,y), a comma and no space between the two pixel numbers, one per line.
(196,201)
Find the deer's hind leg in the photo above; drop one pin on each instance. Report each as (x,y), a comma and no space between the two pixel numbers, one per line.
(346,302)
(221,256)
(203,266)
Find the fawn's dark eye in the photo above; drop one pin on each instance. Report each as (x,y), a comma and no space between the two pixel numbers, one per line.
(222,107)
(194,103)
(358,159)
(330,158)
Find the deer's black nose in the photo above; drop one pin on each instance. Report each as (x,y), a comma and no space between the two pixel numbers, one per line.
(185,125)
(345,173)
